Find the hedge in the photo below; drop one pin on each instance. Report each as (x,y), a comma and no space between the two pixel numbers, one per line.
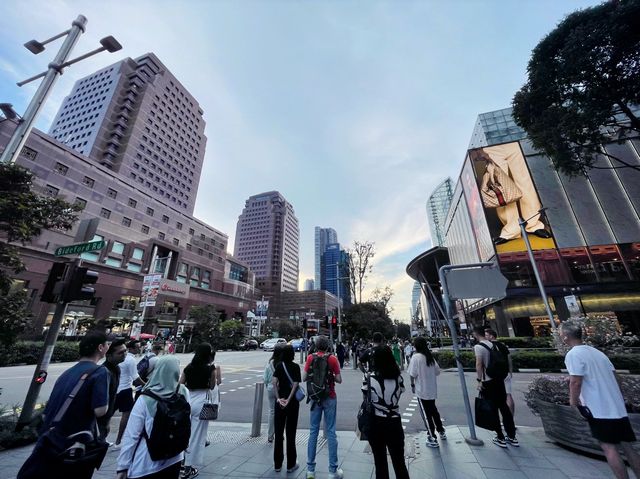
(28,352)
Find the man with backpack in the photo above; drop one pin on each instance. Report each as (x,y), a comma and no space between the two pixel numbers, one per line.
(492,336)
(148,361)
(322,372)
(128,377)
(492,367)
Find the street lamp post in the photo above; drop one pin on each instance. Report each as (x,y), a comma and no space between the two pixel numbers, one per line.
(55,69)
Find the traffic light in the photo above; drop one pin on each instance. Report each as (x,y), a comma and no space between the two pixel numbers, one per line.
(326,322)
(304,324)
(80,285)
(55,274)
(334,320)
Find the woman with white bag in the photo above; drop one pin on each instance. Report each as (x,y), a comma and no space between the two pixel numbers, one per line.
(202,378)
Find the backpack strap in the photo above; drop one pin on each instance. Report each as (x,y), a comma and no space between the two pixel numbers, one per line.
(484,368)
(61,412)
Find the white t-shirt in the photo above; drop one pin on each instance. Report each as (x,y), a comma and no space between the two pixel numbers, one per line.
(408,350)
(484,354)
(600,391)
(426,384)
(128,372)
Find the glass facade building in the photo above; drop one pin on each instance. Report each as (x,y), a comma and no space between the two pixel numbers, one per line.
(437,209)
(335,273)
(323,237)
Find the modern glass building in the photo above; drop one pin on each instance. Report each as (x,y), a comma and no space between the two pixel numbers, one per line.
(335,273)
(323,237)
(437,209)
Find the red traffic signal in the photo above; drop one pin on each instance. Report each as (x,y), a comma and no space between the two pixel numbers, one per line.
(334,320)
(41,377)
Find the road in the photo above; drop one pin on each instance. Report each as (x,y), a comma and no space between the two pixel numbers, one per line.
(241,370)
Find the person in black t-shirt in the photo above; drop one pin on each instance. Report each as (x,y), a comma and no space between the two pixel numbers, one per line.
(286,379)
(492,336)
(115,355)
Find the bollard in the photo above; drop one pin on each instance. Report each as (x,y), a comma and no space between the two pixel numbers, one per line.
(257,410)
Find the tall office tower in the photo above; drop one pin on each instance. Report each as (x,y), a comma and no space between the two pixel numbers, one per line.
(324,237)
(335,273)
(135,118)
(309,285)
(495,127)
(267,239)
(437,209)
(416,292)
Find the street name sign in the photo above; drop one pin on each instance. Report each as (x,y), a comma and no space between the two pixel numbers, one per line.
(80,248)
(472,283)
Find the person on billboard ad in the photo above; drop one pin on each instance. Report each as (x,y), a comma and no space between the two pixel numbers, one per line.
(506,186)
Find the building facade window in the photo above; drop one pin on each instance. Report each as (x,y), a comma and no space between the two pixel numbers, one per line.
(165,219)
(61,169)
(132,203)
(105,213)
(150,211)
(192,231)
(88,182)
(51,191)
(145,229)
(126,221)
(137,253)
(160,235)
(80,202)
(176,242)
(111,193)
(179,226)
(117,247)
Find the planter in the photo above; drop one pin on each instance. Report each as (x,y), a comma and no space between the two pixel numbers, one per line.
(564,425)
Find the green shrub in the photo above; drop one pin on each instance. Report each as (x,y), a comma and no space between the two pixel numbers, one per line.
(28,435)
(626,361)
(525,342)
(544,360)
(446,359)
(28,352)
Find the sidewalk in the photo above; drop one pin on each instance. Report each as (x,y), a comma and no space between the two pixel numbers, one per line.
(233,453)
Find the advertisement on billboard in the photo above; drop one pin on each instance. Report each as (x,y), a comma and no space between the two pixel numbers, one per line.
(476,212)
(262,307)
(150,289)
(507,192)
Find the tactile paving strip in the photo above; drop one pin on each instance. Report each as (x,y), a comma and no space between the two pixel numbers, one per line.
(239,438)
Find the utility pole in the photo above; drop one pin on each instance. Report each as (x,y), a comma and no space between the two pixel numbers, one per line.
(339,310)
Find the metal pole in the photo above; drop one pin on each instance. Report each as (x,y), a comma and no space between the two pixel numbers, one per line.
(545,300)
(19,137)
(257,410)
(339,310)
(456,351)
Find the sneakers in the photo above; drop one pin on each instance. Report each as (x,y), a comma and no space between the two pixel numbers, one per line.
(443,436)
(291,469)
(512,441)
(189,472)
(432,441)
(311,475)
(499,442)
(339,474)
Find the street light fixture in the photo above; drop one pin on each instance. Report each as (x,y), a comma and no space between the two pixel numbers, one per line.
(54,70)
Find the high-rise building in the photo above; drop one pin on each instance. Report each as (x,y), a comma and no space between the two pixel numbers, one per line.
(437,208)
(335,272)
(495,127)
(324,237)
(267,239)
(136,118)
(309,284)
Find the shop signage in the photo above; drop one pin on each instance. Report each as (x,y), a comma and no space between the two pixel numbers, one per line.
(174,289)
(150,289)
(79,248)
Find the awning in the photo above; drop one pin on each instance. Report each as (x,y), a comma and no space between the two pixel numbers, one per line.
(425,267)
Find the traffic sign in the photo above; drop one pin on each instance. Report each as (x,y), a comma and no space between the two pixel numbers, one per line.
(80,248)
(476,282)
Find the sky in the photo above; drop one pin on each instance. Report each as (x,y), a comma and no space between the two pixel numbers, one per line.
(353,110)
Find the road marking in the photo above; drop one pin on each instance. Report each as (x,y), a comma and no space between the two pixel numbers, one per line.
(223,392)
(412,409)
(232,390)
(408,414)
(240,388)
(246,379)
(405,420)
(234,381)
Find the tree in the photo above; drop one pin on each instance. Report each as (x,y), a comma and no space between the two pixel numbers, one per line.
(23,216)
(364,319)
(382,297)
(206,328)
(286,329)
(359,264)
(583,79)
(403,330)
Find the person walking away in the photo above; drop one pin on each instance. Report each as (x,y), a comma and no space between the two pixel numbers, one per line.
(159,427)
(286,380)
(201,376)
(491,370)
(387,386)
(267,376)
(354,353)
(408,351)
(322,372)
(367,355)
(340,354)
(397,355)
(128,378)
(492,336)
(347,353)
(115,355)
(423,370)
(147,362)
(594,390)
(79,397)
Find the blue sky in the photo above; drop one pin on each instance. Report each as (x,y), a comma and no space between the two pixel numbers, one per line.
(353,110)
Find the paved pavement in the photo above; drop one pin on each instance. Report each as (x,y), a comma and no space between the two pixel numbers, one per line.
(233,453)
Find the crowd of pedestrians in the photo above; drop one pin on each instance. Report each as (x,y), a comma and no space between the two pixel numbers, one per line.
(163,429)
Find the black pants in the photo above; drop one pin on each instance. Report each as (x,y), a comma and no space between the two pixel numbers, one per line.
(286,419)
(494,390)
(171,472)
(387,433)
(432,416)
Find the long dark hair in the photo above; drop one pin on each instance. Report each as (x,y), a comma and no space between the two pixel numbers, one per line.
(384,364)
(422,347)
(204,355)
(276,357)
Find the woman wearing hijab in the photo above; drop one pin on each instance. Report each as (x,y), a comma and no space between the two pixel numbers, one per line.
(134,460)
(271,393)
(200,377)
(386,388)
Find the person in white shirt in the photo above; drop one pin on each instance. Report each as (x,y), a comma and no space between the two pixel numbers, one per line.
(423,370)
(408,351)
(594,390)
(128,378)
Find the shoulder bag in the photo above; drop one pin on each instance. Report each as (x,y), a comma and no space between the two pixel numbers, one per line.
(366,414)
(300,393)
(497,188)
(209,411)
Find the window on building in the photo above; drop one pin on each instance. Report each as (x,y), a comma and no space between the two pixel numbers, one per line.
(113,262)
(88,182)
(61,169)
(160,235)
(137,253)
(117,247)
(105,213)
(145,229)
(111,193)
(176,242)
(150,211)
(51,191)
(165,219)
(132,203)
(188,247)
(134,267)
(203,237)
(126,221)
(179,226)
(80,202)
(192,231)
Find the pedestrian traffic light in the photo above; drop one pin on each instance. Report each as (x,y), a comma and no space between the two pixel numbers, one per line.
(56,273)
(334,320)
(80,285)
(326,321)
(304,324)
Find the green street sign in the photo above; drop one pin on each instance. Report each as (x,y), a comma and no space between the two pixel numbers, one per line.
(80,248)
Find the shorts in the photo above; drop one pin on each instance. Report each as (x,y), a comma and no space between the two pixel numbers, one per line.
(124,400)
(507,384)
(612,431)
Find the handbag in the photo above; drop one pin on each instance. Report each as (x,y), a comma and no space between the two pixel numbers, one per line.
(486,413)
(209,411)
(497,188)
(366,414)
(300,392)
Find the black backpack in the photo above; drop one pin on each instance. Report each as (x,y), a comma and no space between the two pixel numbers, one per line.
(171,427)
(498,367)
(318,378)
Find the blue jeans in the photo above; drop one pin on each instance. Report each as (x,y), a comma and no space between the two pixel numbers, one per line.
(328,406)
